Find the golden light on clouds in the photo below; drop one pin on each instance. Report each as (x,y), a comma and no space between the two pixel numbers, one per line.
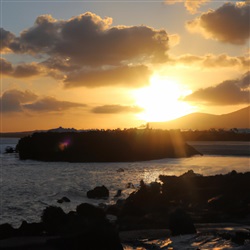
(162,100)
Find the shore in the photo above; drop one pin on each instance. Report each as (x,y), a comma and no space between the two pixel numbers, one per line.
(209,236)
(186,212)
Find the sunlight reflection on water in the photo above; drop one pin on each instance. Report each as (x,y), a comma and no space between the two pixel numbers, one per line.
(27,187)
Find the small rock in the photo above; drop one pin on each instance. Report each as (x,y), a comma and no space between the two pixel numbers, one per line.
(119,193)
(130,185)
(63,199)
(120,170)
(98,192)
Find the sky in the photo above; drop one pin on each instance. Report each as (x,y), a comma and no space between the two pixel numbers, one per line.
(121,64)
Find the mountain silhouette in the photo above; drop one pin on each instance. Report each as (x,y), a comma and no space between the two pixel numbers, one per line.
(202,121)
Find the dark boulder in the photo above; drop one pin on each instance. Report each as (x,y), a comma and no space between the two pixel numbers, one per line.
(7,231)
(9,150)
(54,219)
(63,199)
(181,223)
(98,192)
(120,170)
(89,211)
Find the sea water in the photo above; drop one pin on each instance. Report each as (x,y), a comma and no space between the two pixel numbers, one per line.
(27,187)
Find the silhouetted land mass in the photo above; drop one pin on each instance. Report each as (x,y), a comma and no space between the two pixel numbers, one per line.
(104,146)
(204,199)
(215,135)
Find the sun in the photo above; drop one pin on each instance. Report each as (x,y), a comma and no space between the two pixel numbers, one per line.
(161,100)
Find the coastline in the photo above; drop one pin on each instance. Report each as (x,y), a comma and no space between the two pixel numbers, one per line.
(143,223)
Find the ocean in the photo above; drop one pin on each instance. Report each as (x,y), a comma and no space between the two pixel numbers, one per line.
(27,187)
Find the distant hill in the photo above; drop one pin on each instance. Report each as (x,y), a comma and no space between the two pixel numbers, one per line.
(27,133)
(238,119)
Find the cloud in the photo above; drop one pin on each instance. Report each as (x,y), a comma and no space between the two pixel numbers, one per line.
(133,76)
(191,5)
(11,100)
(115,109)
(6,38)
(228,24)
(50,104)
(23,70)
(79,48)
(212,61)
(14,100)
(27,70)
(229,92)
(6,67)
(90,40)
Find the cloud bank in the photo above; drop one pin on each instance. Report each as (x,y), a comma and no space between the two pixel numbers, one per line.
(81,45)
(115,109)
(228,24)
(14,101)
(134,76)
(212,61)
(229,92)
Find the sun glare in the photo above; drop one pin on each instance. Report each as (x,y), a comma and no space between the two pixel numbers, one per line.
(161,100)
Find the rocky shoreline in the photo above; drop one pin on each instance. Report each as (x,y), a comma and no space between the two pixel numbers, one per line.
(190,209)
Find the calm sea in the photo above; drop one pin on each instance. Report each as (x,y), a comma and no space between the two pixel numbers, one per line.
(27,187)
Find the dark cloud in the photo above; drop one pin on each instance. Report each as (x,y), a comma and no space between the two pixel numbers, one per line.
(60,64)
(125,75)
(115,109)
(11,100)
(226,93)
(6,38)
(6,67)
(89,40)
(23,70)
(50,104)
(229,23)
(244,82)
(41,37)
(19,101)
(213,61)
(87,44)
(27,70)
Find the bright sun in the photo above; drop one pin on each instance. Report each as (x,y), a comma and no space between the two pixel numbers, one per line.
(161,100)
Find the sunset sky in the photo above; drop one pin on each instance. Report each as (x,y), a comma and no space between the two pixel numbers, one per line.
(121,64)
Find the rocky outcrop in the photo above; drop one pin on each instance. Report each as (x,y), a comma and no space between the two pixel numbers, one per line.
(175,204)
(87,228)
(98,193)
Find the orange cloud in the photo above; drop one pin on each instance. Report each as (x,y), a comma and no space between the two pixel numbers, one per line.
(191,5)
(132,76)
(114,109)
(228,24)
(213,61)
(14,101)
(226,93)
